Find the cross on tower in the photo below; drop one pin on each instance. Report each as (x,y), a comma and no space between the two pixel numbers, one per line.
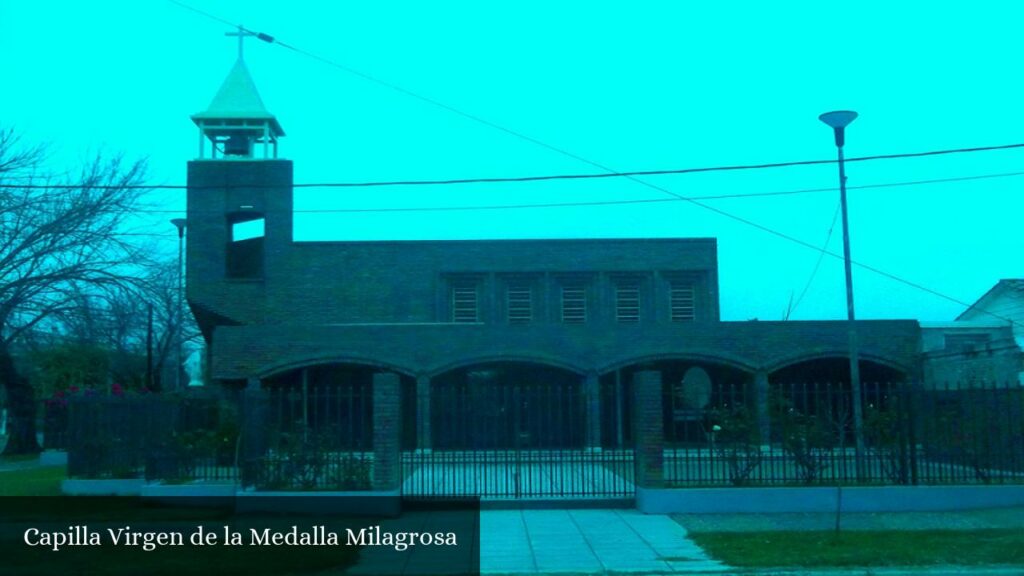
(242,33)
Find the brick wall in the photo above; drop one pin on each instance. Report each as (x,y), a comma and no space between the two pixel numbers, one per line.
(241,351)
(649,431)
(404,281)
(292,315)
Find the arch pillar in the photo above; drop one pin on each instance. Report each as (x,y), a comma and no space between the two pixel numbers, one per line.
(592,393)
(387,431)
(423,438)
(764,419)
(649,429)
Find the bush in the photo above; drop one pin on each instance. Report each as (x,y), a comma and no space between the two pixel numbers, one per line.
(303,461)
(734,436)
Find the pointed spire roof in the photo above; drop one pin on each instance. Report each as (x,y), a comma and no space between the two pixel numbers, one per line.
(238,99)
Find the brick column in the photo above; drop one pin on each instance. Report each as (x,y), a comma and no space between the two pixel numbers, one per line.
(764,426)
(648,428)
(255,430)
(423,439)
(592,389)
(387,431)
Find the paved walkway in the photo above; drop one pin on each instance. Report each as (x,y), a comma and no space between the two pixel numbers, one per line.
(586,541)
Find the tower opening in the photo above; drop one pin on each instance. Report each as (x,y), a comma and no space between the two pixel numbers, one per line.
(245,248)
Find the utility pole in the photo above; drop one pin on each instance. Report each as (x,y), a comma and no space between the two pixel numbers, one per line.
(838,120)
(179,223)
(149,350)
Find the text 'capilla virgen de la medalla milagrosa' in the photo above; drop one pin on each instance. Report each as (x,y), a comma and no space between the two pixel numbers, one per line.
(317,535)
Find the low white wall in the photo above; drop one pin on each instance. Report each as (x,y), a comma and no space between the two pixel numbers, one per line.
(190,490)
(367,503)
(824,499)
(53,458)
(93,487)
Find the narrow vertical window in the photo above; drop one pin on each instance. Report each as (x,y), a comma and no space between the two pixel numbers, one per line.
(627,302)
(574,304)
(464,304)
(519,303)
(681,302)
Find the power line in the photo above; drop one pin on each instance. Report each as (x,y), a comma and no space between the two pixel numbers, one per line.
(548,177)
(805,244)
(817,263)
(610,173)
(634,175)
(483,207)
(207,14)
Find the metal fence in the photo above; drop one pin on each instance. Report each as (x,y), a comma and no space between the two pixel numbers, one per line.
(155,437)
(513,440)
(310,436)
(536,440)
(805,434)
(52,420)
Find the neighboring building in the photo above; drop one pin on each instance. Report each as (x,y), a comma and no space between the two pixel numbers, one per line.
(969,353)
(983,345)
(1003,303)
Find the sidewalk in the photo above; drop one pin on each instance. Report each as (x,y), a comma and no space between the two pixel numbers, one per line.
(587,542)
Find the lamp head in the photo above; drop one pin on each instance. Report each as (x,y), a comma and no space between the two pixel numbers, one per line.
(838,120)
(179,223)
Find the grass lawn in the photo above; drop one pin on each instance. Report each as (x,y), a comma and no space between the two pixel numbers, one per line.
(19,458)
(865,548)
(32,481)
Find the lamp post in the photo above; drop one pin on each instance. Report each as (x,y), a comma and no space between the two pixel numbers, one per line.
(179,223)
(838,120)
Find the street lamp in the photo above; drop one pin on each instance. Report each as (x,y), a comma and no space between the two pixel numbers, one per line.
(839,120)
(179,223)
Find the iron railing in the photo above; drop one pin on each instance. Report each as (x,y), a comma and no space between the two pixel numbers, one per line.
(804,434)
(539,439)
(513,440)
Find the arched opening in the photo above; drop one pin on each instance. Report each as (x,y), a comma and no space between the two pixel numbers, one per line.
(690,389)
(507,406)
(330,405)
(835,370)
(816,395)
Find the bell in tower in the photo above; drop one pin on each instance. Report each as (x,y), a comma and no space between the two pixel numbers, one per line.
(237,124)
(238,143)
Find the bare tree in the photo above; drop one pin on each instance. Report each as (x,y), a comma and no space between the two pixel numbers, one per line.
(107,336)
(159,288)
(56,242)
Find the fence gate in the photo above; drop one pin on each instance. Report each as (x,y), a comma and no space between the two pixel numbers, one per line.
(512,441)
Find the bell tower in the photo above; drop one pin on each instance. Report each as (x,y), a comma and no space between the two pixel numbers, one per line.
(239,217)
(236,123)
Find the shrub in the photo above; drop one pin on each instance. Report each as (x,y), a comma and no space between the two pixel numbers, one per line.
(734,436)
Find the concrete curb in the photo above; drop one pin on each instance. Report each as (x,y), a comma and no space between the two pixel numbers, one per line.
(877,571)
(819,499)
(880,571)
(900,571)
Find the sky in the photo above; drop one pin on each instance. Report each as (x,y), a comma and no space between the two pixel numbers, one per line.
(628,86)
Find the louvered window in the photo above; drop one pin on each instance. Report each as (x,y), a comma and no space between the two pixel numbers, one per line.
(681,301)
(627,303)
(465,308)
(519,304)
(574,304)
